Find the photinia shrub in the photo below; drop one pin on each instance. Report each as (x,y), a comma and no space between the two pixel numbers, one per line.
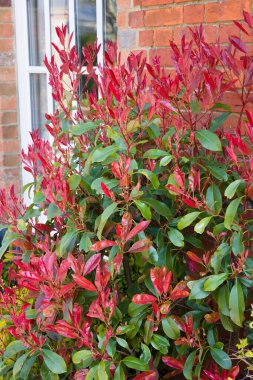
(134,258)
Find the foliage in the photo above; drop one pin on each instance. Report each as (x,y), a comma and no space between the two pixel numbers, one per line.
(133,259)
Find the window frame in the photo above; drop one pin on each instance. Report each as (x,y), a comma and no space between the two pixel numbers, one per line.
(24,69)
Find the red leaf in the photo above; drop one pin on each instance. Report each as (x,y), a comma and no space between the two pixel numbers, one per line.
(148,375)
(240,27)
(143,299)
(171,362)
(194,257)
(151,70)
(137,229)
(105,190)
(91,263)
(167,105)
(161,279)
(175,295)
(102,245)
(179,177)
(234,372)
(238,43)
(140,246)
(248,18)
(84,283)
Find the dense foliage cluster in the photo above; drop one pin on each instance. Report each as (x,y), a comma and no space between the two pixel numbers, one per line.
(133,260)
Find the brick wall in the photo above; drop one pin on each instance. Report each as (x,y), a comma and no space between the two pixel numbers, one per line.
(150,24)
(9,136)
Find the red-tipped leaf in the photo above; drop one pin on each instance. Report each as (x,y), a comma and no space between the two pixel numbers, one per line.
(102,245)
(137,229)
(140,246)
(143,299)
(84,283)
(92,263)
(171,362)
(148,375)
(194,257)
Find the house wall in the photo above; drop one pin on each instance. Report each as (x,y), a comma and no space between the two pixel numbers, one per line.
(9,135)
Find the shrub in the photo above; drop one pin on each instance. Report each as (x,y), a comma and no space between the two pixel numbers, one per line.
(134,258)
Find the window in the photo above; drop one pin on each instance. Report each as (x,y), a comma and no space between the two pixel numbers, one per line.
(35,29)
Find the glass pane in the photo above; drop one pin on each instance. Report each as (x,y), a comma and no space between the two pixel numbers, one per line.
(59,14)
(110,25)
(86,27)
(38,83)
(36,32)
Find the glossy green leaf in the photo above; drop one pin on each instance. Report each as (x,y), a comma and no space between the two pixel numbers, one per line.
(84,357)
(214,281)
(202,224)
(221,358)
(26,368)
(151,176)
(79,129)
(111,209)
(188,365)
(166,160)
(160,343)
(53,211)
(237,242)
(237,304)
(187,220)
(223,300)
(218,172)
(170,328)
(119,373)
(159,207)
(146,354)
(208,140)
(46,374)
(197,289)
(19,364)
(67,243)
(231,212)
(144,209)
(102,374)
(214,198)
(218,121)
(176,237)
(110,183)
(155,153)
(39,197)
(123,343)
(216,260)
(13,348)
(232,188)
(101,154)
(74,181)
(54,362)
(135,363)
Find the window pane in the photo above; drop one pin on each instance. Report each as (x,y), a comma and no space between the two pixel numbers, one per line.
(110,25)
(59,14)
(38,83)
(36,32)
(86,28)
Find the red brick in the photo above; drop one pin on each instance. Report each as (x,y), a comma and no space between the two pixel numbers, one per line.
(146,38)
(227,30)
(9,146)
(5,15)
(8,118)
(7,88)
(8,103)
(11,160)
(7,73)
(178,34)
(164,54)
(6,44)
(184,1)
(211,33)
(10,132)
(224,11)
(165,16)
(162,37)
(137,3)
(136,19)
(148,3)
(194,14)
(6,30)
(121,19)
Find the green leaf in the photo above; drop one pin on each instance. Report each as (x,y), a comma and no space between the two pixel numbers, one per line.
(146,354)
(119,373)
(216,260)
(54,362)
(79,129)
(111,209)
(188,219)
(201,225)
(102,374)
(208,140)
(134,363)
(101,154)
(123,343)
(188,365)
(223,300)
(232,188)
(237,304)
(197,289)
(19,364)
(218,172)
(9,237)
(39,197)
(84,357)
(155,153)
(170,328)
(144,209)
(13,348)
(166,160)
(46,374)
(151,176)
(218,121)
(231,213)
(226,322)
(27,366)
(160,343)
(110,183)
(85,243)
(67,243)
(221,358)
(74,181)
(159,207)
(214,198)
(237,242)
(176,237)
(53,211)
(214,281)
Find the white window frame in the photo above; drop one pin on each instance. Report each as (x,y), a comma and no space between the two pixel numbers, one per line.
(24,69)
